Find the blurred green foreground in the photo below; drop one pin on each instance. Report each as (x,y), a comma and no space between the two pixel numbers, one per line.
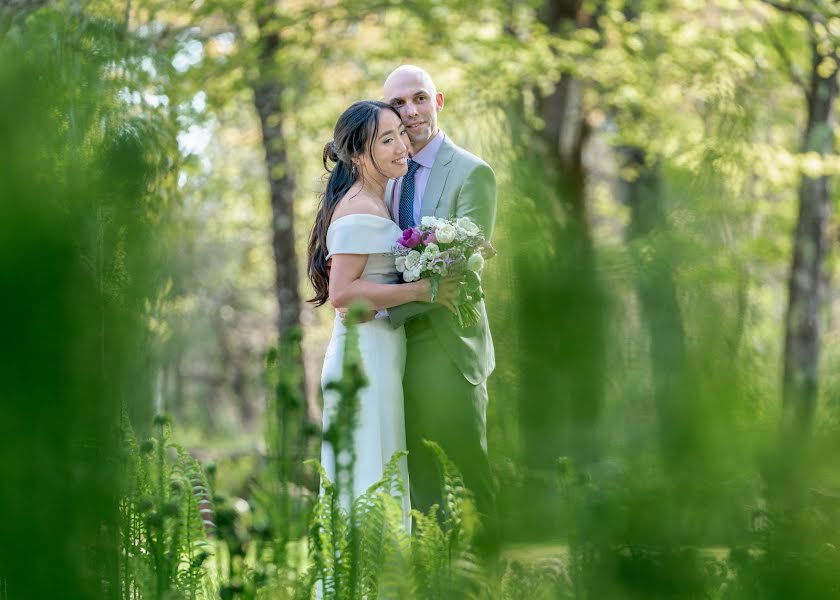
(647,430)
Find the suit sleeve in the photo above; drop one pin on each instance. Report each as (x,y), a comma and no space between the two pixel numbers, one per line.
(398,315)
(477,199)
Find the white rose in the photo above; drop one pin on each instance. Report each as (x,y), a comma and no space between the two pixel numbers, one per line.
(445,233)
(475,263)
(432,250)
(429,222)
(470,228)
(412,261)
(411,275)
(400,263)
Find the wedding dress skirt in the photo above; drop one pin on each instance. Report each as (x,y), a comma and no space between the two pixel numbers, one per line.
(380,425)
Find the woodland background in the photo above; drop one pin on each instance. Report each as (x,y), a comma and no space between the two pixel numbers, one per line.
(663,303)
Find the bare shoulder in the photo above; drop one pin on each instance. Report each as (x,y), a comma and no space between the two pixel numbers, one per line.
(359,204)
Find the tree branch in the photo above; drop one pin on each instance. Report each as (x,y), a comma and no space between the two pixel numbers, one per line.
(807,15)
(795,74)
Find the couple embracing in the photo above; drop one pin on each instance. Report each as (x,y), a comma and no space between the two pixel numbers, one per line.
(427,377)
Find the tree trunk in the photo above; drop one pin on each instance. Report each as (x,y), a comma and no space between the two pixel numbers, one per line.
(573,296)
(565,127)
(660,309)
(267,98)
(291,394)
(802,335)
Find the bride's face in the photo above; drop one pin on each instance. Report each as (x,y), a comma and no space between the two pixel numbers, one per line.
(389,151)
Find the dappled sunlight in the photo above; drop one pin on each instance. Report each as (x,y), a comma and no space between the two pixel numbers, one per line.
(663,412)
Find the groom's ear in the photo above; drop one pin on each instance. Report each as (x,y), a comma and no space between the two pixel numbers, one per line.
(439,101)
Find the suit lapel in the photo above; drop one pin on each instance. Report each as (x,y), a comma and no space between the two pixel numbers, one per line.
(437,178)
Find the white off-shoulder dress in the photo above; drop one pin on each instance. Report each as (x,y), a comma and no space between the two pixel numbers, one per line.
(381,423)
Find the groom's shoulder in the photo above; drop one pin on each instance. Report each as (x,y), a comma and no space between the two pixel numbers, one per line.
(466,158)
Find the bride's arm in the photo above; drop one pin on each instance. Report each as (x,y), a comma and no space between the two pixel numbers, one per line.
(347,286)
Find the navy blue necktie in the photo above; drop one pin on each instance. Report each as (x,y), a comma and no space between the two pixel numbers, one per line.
(407,196)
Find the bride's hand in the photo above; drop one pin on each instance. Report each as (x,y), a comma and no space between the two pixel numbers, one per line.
(369,315)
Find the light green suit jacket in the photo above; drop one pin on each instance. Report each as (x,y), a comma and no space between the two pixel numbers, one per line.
(460,185)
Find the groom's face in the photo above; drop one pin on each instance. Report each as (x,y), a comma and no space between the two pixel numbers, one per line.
(418,103)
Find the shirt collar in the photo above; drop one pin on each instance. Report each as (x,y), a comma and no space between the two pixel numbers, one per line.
(426,157)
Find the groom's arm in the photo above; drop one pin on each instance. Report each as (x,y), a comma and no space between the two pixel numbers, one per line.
(477,199)
(398,315)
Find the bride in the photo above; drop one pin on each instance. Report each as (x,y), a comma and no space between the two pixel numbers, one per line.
(351,260)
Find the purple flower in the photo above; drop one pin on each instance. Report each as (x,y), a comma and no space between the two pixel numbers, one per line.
(410,238)
(429,237)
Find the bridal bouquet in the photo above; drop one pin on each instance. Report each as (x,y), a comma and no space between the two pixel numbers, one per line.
(438,248)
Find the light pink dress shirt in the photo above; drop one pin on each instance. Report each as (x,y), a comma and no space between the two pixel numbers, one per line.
(426,158)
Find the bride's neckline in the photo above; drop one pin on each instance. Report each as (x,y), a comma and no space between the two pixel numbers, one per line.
(362,215)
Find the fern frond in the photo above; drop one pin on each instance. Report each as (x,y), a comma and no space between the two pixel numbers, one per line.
(392,481)
(430,553)
(395,580)
(322,473)
(370,528)
(459,505)
(303,590)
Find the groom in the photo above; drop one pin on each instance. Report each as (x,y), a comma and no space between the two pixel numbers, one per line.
(445,382)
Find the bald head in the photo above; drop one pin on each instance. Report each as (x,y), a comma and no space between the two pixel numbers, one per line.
(412,92)
(408,73)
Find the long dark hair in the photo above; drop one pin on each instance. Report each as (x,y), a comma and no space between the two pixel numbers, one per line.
(355,132)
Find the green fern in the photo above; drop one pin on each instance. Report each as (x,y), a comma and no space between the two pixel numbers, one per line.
(395,579)
(325,530)
(436,562)
(190,544)
(368,553)
(375,532)
(359,549)
(163,534)
(370,528)
(429,556)
(454,570)
(461,520)
(376,565)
